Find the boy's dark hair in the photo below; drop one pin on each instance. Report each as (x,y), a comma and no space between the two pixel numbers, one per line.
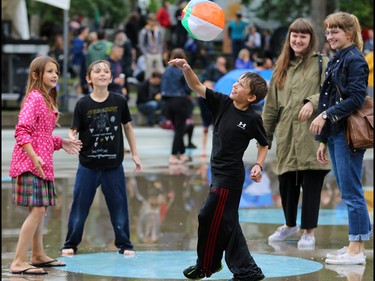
(258,86)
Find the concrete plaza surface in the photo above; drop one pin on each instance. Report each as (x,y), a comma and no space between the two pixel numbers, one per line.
(185,189)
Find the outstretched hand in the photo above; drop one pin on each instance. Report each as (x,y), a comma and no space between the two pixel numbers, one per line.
(72,146)
(180,63)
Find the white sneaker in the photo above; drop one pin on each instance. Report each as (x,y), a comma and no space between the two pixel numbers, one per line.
(347,258)
(307,241)
(338,252)
(282,233)
(345,271)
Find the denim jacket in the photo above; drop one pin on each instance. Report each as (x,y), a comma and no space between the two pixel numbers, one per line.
(348,71)
(173,83)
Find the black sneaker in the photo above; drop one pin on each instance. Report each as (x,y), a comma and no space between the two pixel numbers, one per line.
(191,146)
(195,273)
(259,277)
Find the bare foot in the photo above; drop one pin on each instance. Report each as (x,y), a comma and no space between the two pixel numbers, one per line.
(67,252)
(174,160)
(45,261)
(26,269)
(129,252)
(184,158)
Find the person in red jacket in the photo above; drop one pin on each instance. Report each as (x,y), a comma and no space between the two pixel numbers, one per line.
(164,20)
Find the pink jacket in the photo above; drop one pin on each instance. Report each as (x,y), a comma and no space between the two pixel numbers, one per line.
(36,123)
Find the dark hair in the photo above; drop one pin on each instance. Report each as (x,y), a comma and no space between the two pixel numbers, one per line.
(178,53)
(101,34)
(156,74)
(258,86)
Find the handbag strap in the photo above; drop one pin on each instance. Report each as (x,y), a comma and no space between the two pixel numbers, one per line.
(338,90)
(320,64)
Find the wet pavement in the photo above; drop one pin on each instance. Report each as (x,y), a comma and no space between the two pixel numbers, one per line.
(163,204)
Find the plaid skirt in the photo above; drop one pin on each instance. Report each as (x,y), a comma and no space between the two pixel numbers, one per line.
(31,190)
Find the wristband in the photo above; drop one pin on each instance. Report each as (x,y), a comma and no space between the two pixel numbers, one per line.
(261,168)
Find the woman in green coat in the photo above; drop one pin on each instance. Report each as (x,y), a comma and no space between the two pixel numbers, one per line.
(289,109)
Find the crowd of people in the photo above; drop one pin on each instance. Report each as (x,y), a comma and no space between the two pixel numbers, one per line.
(143,46)
(302,115)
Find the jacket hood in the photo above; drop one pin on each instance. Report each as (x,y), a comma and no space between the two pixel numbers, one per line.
(100,45)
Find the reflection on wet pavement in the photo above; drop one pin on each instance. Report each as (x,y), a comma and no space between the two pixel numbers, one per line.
(163,205)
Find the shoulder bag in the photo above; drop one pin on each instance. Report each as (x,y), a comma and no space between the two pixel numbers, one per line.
(360,125)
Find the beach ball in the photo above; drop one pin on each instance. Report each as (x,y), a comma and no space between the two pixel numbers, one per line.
(203,20)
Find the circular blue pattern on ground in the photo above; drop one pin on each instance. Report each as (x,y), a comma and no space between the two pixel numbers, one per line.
(170,264)
(276,216)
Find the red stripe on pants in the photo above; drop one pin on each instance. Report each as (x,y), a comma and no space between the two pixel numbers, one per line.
(214,230)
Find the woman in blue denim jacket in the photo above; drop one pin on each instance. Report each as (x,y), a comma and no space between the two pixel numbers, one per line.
(343,92)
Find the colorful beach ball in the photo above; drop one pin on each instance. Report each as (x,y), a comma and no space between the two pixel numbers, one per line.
(203,20)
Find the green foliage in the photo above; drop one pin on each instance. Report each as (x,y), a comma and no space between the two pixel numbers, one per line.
(47,12)
(114,11)
(361,8)
(280,10)
(286,11)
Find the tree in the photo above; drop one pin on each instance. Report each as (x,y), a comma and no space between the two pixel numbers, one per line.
(315,10)
(113,12)
(363,9)
(286,11)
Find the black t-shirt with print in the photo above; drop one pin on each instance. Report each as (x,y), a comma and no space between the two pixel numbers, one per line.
(99,125)
(233,130)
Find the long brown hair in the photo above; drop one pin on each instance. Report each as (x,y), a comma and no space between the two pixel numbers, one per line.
(36,70)
(300,25)
(347,22)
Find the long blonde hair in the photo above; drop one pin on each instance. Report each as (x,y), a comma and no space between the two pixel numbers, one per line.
(347,22)
(300,25)
(35,82)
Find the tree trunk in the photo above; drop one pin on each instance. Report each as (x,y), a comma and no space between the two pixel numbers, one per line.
(318,14)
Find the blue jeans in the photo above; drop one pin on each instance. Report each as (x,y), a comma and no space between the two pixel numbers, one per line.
(114,189)
(149,109)
(347,166)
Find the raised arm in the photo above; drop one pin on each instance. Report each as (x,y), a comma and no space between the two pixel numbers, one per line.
(190,76)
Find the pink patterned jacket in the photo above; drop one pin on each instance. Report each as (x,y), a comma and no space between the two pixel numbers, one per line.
(36,123)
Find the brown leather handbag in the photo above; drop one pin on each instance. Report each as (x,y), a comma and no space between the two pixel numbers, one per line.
(360,126)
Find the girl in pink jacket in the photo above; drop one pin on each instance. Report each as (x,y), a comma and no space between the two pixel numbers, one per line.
(31,167)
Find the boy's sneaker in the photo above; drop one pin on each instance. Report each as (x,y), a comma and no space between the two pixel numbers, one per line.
(347,258)
(282,233)
(255,278)
(195,273)
(307,241)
